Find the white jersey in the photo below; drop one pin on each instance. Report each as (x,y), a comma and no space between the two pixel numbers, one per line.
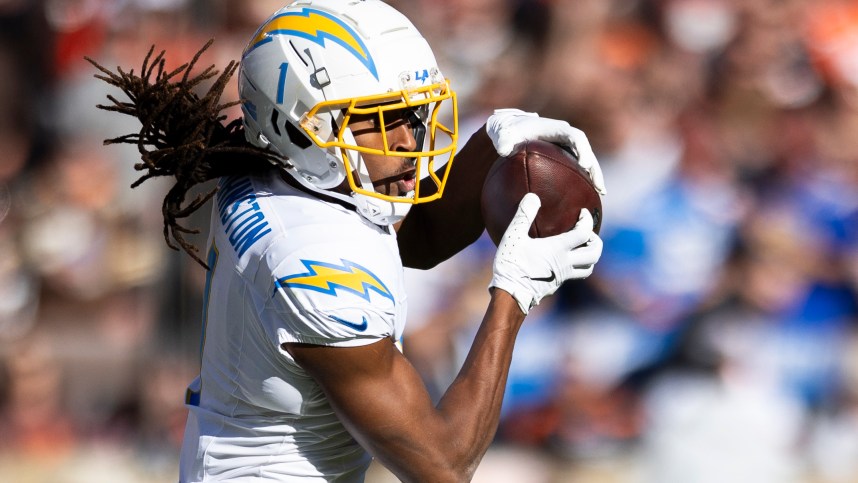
(285,267)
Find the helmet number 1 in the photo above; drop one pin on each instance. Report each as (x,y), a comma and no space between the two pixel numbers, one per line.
(281,84)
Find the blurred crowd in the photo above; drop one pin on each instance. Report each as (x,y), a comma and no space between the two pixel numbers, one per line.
(715,342)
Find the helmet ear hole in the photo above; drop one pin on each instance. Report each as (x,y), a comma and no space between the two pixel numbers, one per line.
(275,117)
(296,137)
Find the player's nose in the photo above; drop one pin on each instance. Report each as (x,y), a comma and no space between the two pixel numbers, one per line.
(401,138)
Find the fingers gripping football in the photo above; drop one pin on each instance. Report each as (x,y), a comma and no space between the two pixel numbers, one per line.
(530,269)
(510,127)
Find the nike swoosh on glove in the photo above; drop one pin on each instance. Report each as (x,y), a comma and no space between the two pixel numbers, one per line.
(530,269)
(508,128)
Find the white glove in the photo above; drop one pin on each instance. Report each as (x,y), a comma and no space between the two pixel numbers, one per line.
(508,128)
(533,268)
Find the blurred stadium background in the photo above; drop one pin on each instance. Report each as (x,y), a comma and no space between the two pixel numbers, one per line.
(716,341)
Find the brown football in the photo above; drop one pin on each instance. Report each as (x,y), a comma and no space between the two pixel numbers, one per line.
(551,172)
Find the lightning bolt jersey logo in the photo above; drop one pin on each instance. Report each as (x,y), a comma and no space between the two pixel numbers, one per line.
(316,26)
(329,278)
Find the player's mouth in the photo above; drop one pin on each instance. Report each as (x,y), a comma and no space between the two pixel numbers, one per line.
(408,182)
(400,184)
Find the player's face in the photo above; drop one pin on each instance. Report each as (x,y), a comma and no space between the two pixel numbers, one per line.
(391,175)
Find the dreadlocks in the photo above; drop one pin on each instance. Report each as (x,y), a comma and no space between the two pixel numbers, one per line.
(182,134)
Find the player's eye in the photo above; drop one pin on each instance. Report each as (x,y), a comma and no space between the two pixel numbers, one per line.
(371,119)
(414,118)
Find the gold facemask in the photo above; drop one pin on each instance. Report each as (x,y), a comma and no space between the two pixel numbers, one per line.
(425,102)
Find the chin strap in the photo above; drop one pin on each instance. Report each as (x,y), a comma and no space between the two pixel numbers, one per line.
(379,211)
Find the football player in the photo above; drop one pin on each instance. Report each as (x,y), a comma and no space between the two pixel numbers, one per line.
(348,125)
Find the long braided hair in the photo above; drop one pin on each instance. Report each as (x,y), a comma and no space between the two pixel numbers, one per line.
(182,134)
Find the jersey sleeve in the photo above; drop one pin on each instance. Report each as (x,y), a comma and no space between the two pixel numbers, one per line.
(332,293)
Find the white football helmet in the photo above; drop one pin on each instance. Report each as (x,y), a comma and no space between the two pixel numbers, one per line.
(314,64)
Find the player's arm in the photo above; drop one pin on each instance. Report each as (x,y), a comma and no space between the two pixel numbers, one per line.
(433,232)
(381,399)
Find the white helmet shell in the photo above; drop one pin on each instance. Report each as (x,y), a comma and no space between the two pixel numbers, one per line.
(314,63)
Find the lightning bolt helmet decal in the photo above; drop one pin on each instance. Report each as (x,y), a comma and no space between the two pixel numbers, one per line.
(316,26)
(328,278)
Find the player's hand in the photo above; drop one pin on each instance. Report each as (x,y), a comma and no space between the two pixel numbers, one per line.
(510,127)
(533,268)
